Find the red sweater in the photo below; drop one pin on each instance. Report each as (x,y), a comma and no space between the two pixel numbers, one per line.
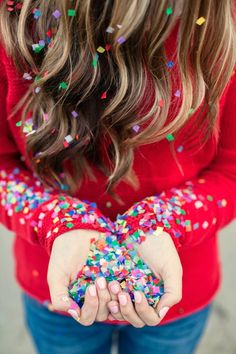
(203,184)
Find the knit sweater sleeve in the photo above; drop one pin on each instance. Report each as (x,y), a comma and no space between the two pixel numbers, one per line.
(198,208)
(27,208)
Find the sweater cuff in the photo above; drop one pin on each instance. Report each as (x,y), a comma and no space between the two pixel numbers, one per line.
(153,214)
(66,213)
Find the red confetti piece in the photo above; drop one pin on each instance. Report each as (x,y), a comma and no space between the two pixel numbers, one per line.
(104,95)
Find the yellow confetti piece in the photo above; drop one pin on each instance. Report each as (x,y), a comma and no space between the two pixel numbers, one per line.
(224,202)
(55,230)
(55,220)
(26,210)
(101,49)
(200,21)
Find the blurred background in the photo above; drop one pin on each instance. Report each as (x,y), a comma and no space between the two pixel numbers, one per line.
(219,337)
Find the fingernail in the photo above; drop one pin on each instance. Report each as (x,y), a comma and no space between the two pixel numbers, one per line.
(92,290)
(114,309)
(123,299)
(74,314)
(163,312)
(74,306)
(115,288)
(101,283)
(137,297)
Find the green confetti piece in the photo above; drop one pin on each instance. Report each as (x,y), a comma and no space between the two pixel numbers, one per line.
(63,85)
(170,137)
(78,206)
(18,124)
(37,78)
(134,213)
(209,197)
(169,11)
(61,198)
(71,12)
(65,206)
(187,222)
(182,212)
(69,225)
(191,111)
(38,48)
(94,63)
(177,221)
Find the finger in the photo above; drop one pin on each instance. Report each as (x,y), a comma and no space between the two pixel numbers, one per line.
(172,290)
(60,298)
(114,308)
(128,311)
(103,297)
(90,306)
(115,289)
(147,313)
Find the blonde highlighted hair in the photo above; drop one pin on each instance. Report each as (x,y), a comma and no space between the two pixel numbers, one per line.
(71,75)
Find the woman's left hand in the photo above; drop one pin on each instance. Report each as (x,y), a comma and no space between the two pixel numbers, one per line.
(160,254)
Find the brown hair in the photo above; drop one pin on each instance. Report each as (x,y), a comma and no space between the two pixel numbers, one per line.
(72,71)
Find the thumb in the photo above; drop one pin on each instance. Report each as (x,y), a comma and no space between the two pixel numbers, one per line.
(172,293)
(60,298)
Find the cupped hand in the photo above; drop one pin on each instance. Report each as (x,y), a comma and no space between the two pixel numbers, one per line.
(68,255)
(159,253)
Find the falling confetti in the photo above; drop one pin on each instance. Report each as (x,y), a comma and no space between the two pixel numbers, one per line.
(200,21)
(170,137)
(169,11)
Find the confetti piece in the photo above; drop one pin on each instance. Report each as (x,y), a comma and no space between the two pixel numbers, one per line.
(200,21)
(18,124)
(110,29)
(101,49)
(121,40)
(37,47)
(71,12)
(161,103)
(56,14)
(180,148)
(177,93)
(27,76)
(74,114)
(170,64)
(37,13)
(68,138)
(107,47)
(191,111)
(104,95)
(95,60)
(136,128)
(170,137)
(169,11)
(63,85)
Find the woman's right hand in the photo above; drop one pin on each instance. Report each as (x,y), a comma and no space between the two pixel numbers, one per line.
(68,255)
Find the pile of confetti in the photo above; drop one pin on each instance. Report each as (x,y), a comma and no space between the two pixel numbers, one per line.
(116,261)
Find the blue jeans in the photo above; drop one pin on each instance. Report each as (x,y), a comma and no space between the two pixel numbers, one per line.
(53,333)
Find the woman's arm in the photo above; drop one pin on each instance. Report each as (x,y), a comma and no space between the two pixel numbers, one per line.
(198,208)
(27,208)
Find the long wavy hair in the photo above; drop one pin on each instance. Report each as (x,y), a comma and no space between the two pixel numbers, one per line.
(90,63)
